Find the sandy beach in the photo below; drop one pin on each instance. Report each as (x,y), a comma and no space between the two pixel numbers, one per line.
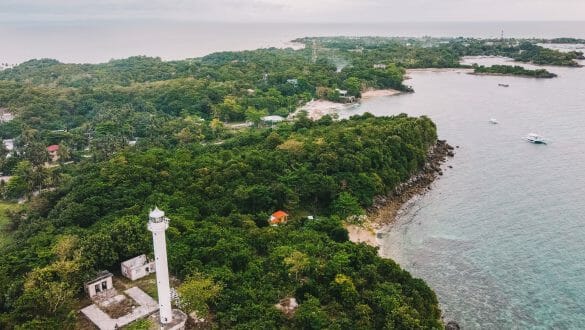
(362,234)
(460,70)
(318,108)
(379,93)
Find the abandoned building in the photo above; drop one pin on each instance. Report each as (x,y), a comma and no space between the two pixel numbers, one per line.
(100,284)
(137,267)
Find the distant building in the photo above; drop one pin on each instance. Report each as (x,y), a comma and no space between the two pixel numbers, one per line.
(137,267)
(5,115)
(53,152)
(272,119)
(379,66)
(288,305)
(8,144)
(293,81)
(100,284)
(278,217)
(343,96)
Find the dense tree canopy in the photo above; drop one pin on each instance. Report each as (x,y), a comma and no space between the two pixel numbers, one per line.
(219,198)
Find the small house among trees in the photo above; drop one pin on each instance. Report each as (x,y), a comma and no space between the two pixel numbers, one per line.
(137,267)
(5,115)
(53,152)
(278,217)
(272,119)
(100,284)
(8,144)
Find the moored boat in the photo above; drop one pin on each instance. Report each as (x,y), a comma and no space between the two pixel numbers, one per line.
(535,138)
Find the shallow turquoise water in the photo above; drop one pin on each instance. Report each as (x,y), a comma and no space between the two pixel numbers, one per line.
(501,236)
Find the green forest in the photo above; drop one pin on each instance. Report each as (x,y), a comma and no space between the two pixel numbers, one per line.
(219,198)
(139,132)
(510,70)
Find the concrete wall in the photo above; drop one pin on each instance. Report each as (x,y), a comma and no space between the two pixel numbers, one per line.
(91,286)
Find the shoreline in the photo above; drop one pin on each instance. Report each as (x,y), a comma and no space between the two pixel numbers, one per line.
(509,75)
(461,69)
(386,209)
(318,108)
(372,93)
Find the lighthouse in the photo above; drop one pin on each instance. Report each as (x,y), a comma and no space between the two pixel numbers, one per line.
(158,224)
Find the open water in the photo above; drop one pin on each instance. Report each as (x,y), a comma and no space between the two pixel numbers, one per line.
(100,41)
(501,236)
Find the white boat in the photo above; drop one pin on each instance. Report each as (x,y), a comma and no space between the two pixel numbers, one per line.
(535,138)
(494,121)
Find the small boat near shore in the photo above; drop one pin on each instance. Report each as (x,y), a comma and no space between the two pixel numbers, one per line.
(503,85)
(535,138)
(494,121)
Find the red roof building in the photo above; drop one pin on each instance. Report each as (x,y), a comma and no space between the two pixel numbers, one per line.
(53,148)
(278,217)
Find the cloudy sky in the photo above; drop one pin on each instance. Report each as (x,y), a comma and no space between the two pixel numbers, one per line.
(293,10)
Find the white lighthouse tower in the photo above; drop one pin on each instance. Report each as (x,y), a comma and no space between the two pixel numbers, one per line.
(158,224)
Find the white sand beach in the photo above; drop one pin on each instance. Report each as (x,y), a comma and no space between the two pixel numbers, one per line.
(379,92)
(358,234)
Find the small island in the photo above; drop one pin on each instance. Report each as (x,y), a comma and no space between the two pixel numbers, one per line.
(509,70)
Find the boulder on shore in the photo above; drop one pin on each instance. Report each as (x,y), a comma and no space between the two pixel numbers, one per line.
(452,325)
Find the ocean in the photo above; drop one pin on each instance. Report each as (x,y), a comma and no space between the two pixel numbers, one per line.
(499,237)
(100,41)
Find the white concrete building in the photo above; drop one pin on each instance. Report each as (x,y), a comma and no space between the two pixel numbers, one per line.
(272,119)
(137,267)
(100,284)
(158,224)
(5,115)
(8,144)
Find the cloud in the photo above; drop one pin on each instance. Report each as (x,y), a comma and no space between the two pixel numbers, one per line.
(289,11)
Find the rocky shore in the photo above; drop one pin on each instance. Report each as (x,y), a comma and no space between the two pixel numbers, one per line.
(386,208)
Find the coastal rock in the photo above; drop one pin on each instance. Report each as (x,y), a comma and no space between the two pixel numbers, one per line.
(452,325)
(385,208)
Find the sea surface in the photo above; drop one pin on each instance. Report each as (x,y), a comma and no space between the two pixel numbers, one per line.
(100,41)
(501,236)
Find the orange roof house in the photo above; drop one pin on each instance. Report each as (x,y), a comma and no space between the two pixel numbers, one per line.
(278,217)
(53,148)
(53,152)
